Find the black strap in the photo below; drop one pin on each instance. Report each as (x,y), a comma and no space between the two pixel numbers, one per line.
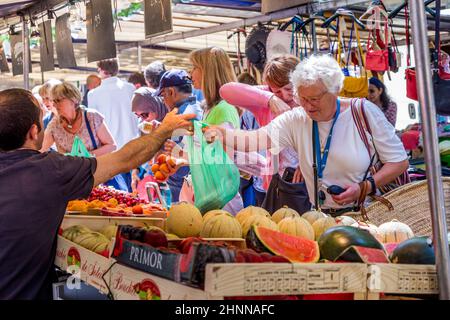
(88,126)
(316,175)
(437,38)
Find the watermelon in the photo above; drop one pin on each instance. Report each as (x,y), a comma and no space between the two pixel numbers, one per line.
(417,250)
(335,241)
(293,248)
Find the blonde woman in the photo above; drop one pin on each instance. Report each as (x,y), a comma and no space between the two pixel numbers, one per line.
(211,69)
(75,120)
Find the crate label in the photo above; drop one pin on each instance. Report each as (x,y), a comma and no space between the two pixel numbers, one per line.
(417,281)
(296,281)
(149,259)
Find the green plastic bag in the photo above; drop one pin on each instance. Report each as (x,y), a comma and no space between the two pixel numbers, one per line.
(79,149)
(215,177)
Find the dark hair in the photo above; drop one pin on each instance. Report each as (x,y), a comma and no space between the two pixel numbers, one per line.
(184,88)
(110,66)
(137,78)
(384,97)
(19,110)
(154,72)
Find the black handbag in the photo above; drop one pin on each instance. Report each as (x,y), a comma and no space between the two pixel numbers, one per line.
(441,87)
(281,193)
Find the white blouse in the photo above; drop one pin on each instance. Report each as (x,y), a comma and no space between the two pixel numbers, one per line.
(348,159)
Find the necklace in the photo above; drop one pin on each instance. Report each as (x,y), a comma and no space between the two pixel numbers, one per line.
(72,123)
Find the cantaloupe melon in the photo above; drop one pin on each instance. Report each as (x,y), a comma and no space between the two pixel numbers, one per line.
(221,226)
(323,224)
(249,211)
(109,231)
(213,213)
(257,220)
(184,220)
(296,226)
(313,215)
(284,212)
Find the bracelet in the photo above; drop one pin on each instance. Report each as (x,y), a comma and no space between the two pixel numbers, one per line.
(372,185)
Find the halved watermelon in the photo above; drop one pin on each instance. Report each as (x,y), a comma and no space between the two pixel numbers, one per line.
(293,248)
(335,242)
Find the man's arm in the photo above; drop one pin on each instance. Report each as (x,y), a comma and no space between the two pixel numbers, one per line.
(139,150)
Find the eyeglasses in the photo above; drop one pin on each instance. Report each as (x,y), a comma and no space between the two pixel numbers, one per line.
(142,116)
(313,100)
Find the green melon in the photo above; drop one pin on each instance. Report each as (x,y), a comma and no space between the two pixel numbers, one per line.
(417,250)
(335,241)
(293,248)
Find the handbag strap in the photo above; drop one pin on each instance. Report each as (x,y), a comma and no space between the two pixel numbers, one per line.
(437,37)
(316,175)
(88,126)
(408,43)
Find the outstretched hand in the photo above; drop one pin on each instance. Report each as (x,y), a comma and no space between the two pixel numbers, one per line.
(173,121)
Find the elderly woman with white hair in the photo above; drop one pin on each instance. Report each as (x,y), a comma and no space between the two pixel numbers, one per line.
(326,134)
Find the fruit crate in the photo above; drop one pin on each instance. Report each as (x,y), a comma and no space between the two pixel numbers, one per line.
(82,264)
(90,266)
(267,279)
(98,222)
(401,279)
(126,283)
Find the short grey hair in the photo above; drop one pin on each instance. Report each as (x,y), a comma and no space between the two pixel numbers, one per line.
(153,73)
(319,68)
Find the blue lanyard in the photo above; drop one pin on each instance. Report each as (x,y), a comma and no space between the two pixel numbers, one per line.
(322,159)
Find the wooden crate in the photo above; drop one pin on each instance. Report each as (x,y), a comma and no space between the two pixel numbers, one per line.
(401,279)
(123,281)
(250,279)
(98,222)
(90,267)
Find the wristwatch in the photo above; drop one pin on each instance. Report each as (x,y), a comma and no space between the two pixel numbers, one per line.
(373,186)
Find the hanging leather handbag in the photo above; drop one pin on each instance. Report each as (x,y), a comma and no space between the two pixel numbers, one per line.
(378,60)
(410,72)
(441,86)
(354,87)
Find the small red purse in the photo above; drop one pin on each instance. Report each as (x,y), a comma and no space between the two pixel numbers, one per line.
(378,60)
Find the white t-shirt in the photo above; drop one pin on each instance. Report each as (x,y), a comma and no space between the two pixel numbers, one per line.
(113,100)
(348,159)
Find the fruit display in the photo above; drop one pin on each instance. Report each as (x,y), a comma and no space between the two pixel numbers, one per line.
(334,242)
(184,220)
(284,212)
(323,224)
(295,249)
(97,242)
(297,226)
(221,226)
(417,250)
(250,211)
(257,220)
(152,236)
(117,197)
(313,215)
(164,167)
(395,232)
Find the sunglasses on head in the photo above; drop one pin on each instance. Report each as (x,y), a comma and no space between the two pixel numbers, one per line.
(142,116)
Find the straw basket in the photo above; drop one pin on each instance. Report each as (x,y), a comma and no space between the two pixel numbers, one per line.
(411,206)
